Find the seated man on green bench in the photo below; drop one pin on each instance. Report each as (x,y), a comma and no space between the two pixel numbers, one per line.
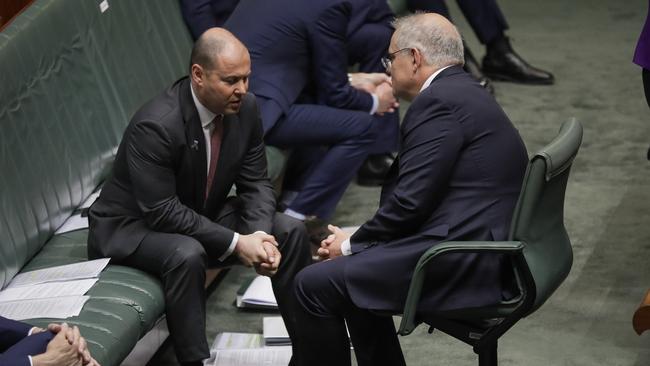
(165,208)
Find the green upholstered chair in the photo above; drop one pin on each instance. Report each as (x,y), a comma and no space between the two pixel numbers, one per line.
(538,247)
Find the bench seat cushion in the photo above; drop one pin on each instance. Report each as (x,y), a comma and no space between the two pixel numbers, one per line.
(124,304)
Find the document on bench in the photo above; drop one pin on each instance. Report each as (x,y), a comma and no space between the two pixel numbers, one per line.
(73,223)
(54,307)
(45,290)
(68,272)
(79,220)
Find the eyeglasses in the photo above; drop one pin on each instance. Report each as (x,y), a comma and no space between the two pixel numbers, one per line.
(387,61)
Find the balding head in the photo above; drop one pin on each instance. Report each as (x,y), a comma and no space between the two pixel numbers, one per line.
(437,39)
(212,44)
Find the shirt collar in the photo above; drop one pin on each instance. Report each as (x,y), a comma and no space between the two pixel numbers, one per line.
(433,76)
(205,115)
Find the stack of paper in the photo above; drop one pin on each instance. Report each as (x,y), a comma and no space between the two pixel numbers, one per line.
(257,294)
(55,292)
(245,349)
(275,332)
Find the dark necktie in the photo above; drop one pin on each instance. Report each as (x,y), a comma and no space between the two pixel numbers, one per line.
(215,146)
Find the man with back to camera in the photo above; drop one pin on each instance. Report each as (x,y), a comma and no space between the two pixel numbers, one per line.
(301,51)
(457,176)
(165,209)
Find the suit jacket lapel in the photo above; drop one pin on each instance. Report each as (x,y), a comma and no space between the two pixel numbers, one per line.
(196,144)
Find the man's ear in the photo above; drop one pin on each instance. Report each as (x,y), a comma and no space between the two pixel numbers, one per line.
(196,74)
(417,59)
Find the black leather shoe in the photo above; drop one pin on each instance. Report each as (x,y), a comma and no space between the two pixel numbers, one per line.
(316,230)
(502,63)
(473,68)
(374,170)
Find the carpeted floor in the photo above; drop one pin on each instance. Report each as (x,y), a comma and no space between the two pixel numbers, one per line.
(588,45)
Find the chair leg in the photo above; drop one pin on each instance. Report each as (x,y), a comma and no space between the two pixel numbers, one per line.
(488,356)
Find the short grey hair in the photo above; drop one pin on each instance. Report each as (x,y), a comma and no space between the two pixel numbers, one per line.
(438,46)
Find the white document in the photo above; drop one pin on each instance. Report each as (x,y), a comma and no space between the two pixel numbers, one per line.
(78,222)
(74,222)
(68,272)
(228,340)
(91,199)
(260,292)
(275,332)
(56,307)
(272,356)
(45,290)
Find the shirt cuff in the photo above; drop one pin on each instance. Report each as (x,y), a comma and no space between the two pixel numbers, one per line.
(375,103)
(346,248)
(31,363)
(231,248)
(31,330)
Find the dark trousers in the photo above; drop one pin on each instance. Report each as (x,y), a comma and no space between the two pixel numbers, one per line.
(181,261)
(484,16)
(325,309)
(334,141)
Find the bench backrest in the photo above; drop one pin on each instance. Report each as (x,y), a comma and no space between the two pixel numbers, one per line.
(71,76)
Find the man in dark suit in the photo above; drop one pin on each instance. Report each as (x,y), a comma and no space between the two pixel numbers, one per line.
(501,62)
(457,177)
(201,15)
(24,345)
(165,209)
(300,52)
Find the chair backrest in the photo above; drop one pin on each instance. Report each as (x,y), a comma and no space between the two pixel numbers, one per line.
(538,220)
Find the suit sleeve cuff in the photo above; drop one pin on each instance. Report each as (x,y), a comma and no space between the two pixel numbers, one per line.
(231,248)
(375,103)
(346,248)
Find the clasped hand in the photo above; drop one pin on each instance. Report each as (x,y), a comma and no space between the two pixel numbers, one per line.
(331,246)
(259,250)
(67,348)
(378,84)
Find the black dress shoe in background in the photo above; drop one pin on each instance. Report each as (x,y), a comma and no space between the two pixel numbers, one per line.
(374,170)
(473,68)
(316,230)
(502,63)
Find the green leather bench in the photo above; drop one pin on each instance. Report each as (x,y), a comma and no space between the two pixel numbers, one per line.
(72,76)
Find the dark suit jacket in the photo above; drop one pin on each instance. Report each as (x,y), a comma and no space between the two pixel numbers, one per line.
(458,176)
(200,15)
(13,334)
(159,177)
(294,43)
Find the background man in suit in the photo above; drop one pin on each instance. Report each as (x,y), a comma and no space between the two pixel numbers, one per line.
(165,208)
(24,345)
(201,15)
(299,51)
(501,62)
(457,177)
